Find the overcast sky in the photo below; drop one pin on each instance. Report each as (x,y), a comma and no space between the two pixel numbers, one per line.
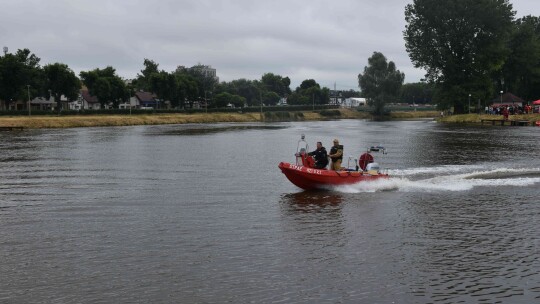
(329,41)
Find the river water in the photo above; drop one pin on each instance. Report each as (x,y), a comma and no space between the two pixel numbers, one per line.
(202,214)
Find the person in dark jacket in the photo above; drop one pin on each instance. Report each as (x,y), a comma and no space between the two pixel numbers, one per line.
(320,155)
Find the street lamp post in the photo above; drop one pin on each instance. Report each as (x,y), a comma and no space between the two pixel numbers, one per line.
(29,107)
(260,97)
(469,103)
(501,97)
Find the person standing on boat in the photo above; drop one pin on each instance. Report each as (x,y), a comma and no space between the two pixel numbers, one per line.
(336,154)
(320,155)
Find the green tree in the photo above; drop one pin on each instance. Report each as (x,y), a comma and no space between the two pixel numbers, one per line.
(306,84)
(271,98)
(61,80)
(460,43)
(222,100)
(249,89)
(17,71)
(521,71)
(105,85)
(417,92)
(161,85)
(143,79)
(380,82)
(205,81)
(350,93)
(102,90)
(309,92)
(187,89)
(277,84)
(298,99)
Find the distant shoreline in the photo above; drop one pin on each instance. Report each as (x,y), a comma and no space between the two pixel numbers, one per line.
(477,118)
(75,121)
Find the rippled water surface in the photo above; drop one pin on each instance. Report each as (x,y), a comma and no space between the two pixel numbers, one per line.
(202,214)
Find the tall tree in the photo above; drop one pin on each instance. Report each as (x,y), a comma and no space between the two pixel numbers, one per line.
(61,80)
(187,89)
(277,84)
(165,86)
(460,43)
(105,85)
(221,100)
(206,81)
(418,93)
(249,89)
(16,72)
(309,92)
(143,79)
(521,71)
(380,82)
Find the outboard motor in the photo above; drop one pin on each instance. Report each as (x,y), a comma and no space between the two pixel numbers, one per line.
(372,168)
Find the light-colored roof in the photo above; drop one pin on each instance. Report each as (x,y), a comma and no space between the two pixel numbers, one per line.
(41,100)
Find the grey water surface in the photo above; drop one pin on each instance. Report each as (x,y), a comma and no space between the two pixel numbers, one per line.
(202,214)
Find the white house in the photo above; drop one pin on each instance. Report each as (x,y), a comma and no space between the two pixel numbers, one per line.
(354,102)
(42,103)
(87,101)
(133,103)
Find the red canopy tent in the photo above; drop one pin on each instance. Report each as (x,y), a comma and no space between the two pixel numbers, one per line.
(536,102)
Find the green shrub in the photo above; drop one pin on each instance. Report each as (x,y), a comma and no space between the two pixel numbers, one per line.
(330,113)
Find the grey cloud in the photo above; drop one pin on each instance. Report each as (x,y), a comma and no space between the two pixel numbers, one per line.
(327,41)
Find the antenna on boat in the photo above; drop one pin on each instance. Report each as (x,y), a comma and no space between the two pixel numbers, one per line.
(302,140)
(301,149)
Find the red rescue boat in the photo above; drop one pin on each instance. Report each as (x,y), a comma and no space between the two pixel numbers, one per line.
(305,176)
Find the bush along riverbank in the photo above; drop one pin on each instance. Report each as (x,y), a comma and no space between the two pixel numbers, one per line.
(313,115)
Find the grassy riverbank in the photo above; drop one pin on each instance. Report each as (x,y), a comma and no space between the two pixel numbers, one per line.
(75,121)
(477,118)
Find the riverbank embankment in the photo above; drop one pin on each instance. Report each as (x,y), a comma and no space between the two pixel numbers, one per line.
(76,121)
(477,118)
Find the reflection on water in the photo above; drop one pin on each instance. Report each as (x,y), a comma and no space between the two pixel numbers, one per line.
(202,214)
(212,129)
(312,201)
(475,248)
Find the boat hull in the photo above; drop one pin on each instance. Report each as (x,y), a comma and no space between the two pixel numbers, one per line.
(309,178)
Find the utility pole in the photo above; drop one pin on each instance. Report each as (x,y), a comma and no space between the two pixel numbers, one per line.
(29,106)
(335,93)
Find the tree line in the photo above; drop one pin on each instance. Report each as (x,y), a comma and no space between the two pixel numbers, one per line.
(468,48)
(194,84)
(473,49)
(22,76)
